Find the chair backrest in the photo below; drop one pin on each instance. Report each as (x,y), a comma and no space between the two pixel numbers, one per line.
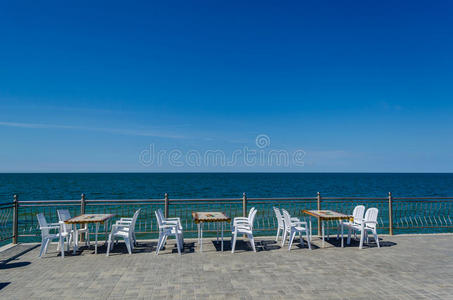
(286,218)
(252,217)
(134,220)
(357,213)
(371,215)
(251,213)
(160,221)
(63,214)
(161,214)
(279,217)
(43,224)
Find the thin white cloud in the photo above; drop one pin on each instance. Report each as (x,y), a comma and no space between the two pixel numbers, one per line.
(150,133)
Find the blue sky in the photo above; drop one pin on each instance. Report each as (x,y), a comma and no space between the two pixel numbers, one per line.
(361,86)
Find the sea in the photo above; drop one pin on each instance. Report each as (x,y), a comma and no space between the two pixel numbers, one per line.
(60,186)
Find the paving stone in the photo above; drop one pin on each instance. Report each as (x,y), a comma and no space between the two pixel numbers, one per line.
(406,267)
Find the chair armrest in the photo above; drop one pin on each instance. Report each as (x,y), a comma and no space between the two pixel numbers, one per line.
(369,222)
(56,224)
(171,222)
(242,226)
(122,223)
(299,223)
(125,219)
(172,219)
(295,219)
(169,226)
(50,227)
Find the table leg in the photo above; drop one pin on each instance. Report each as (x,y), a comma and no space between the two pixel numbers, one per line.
(322,232)
(198,234)
(106,225)
(342,242)
(222,236)
(76,240)
(309,221)
(217,225)
(96,239)
(201,237)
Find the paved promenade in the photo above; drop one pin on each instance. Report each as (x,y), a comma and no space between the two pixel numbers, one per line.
(406,267)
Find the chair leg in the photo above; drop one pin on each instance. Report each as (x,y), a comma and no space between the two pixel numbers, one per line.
(338,231)
(284,236)
(178,243)
(252,242)
(87,240)
(376,238)
(308,240)
(362,236)
(349,236)
(109,244)
(291,239)
(159,244)
(278,234)
(43,247)
(301,239)
(62,246)
(233,242)
(127,241)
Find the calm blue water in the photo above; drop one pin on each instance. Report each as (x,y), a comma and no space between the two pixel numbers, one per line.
(203,185)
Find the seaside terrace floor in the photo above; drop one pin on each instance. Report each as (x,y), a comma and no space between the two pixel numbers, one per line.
(406,267)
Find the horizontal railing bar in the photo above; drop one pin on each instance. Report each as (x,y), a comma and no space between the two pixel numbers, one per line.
(47,201)
(7,238)
(124,200)
(423,198)
(7,207)
(353,198)
(119,204)
(282,198)
(47,205)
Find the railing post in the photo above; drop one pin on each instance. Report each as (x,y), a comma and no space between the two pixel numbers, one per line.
(82,204)
(166,206)
(15,219)
(318,205)
(244,205)
(390,214)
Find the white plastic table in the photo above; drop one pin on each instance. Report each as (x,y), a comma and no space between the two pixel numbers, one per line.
(209,217)
(87,219)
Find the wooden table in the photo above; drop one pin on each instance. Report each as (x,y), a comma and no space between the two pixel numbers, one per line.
(87,219)
(209,217)
(327,215)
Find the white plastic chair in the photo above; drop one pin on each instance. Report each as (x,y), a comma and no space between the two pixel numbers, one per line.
(244,220)
(294,227)
(369,224)
(124,230)
(244,227)
(169,228)
(63,215)
(46,235)
(357,218)
(280,223)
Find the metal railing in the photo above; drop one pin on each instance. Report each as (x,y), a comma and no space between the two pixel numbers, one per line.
(396,214)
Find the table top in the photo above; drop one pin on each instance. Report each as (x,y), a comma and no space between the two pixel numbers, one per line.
(327,214)
(89,218)
(212,216)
